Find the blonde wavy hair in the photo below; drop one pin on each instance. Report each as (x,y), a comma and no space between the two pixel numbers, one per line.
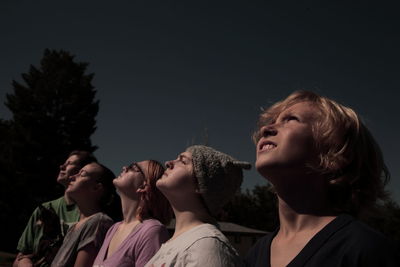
(349,157)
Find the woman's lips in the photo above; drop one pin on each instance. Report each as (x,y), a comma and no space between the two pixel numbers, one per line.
(266,145)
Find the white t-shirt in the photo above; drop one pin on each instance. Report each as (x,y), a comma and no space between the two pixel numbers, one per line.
(203,245)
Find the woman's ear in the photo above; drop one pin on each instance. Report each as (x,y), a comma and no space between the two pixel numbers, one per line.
(143,188)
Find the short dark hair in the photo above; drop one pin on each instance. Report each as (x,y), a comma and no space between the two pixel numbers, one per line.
(109,202)
(153,203)
(84,157)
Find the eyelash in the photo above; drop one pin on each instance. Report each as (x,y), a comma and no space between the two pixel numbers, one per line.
(290,117)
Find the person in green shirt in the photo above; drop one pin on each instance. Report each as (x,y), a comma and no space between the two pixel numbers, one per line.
(63,207)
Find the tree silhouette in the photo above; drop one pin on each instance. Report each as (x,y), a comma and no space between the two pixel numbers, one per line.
(256,209)
(53,113)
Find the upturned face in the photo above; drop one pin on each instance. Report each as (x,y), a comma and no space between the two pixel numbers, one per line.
(70,167)
(84,184)
(178,178)
(287,144)
(132,178)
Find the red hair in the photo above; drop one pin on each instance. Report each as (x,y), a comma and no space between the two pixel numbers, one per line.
(153,203)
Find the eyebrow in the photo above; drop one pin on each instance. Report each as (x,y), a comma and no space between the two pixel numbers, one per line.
(286,114)
(181,156)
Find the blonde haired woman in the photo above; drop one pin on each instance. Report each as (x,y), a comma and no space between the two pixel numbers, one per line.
(326,168)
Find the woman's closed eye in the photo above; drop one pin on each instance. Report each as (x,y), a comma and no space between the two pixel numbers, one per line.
(182,159)
(83,173)
(290,118)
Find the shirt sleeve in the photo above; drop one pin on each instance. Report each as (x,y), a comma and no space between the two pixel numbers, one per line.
(94,233)
(29,238)
(150,244)
(210,252)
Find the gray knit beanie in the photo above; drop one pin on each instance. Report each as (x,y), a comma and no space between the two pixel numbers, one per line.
(218,175)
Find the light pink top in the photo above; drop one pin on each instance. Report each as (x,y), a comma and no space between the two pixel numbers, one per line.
(137,249)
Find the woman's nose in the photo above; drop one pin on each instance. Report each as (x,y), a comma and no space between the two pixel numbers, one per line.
(268,130)
(73,177)
(169,164)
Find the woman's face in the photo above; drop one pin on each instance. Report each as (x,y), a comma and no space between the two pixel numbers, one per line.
(178,178)
(287,144)
(132,178)
(84,183)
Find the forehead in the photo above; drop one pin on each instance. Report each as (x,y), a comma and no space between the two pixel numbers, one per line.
(186,154)
(91,168)
(143,165)
(305,109)
(73,158)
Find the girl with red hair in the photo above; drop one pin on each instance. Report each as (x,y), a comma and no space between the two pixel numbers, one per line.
(133,241)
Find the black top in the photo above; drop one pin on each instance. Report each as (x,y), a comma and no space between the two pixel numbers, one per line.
(343,242)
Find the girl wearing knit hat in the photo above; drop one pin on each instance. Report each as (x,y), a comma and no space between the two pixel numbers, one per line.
(325,167)
(197,184)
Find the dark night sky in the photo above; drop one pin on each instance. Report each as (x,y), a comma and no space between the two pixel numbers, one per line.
(166,72)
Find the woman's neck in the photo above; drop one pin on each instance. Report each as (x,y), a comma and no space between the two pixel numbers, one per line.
(187,219)
(293,221)
(303,202)
(129,209)
(87,209)
(304,193)
(67,199)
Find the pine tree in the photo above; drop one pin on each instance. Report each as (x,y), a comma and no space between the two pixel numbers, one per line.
(53,113)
